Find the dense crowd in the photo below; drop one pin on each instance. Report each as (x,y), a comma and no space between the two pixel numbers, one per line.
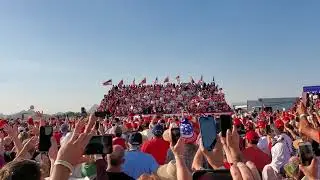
(260,145)
(166,99)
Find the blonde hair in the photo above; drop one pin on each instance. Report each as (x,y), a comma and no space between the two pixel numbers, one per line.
(149,177)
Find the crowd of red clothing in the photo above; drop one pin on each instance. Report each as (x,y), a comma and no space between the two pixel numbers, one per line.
(166,99)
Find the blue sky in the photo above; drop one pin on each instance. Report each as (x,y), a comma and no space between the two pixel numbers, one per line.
(55,54)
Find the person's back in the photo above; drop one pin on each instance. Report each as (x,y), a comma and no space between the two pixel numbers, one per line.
(258,157)
(137,163)
(158,148)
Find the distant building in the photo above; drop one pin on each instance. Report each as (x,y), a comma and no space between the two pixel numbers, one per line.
(274,103)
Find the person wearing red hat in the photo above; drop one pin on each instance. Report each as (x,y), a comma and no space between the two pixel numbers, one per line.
(263,143)
(253,153)
(279,124)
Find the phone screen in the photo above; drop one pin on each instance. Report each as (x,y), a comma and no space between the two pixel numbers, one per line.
(100,114)
(45,138)
(208,132)
(225,124)
(212,174)
(175,135)
(99,145)
(306,153)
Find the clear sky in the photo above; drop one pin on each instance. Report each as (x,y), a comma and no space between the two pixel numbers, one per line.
(55,54)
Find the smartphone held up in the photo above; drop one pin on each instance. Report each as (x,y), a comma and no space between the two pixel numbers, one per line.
(208,132)
(45,138)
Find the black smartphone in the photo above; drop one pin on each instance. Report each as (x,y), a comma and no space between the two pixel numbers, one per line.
(225,124)
(45,138)
(306,153)
(175,135)
(99,145)
(208,132)
(101,114)
(212,174)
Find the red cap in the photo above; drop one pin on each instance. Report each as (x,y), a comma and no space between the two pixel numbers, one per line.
(279,123)
(261,124)
(251,135)
(128,125)
(236,122)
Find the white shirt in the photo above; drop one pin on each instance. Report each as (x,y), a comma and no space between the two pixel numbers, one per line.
(280,154)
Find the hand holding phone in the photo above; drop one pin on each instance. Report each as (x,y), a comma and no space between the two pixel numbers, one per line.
(175,135)
(306,153)
(99,145)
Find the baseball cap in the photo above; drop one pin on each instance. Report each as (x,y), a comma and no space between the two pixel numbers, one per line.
(261,124)
(236,122)
(135,138)
(251,135)
(279,123)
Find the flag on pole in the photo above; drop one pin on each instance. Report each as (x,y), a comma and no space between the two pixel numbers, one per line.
(143,81)
(201,80)
(106,83)
(192,81)
(120,83)
(166,80)
(178,79)
(134,82)
(156,81)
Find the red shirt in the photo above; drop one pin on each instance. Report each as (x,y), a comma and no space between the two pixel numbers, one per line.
(119,141)
(258,157)
(158,148)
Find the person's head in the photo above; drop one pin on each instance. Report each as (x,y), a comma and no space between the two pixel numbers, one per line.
(279,125)
(17,170)
(117,131)
(116,158)
(158,130)
(262,125)
(252,138)
(135,140)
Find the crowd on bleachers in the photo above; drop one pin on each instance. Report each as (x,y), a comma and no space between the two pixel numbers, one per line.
(165,99)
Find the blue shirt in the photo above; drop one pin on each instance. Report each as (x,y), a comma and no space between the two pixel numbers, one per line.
(137,163)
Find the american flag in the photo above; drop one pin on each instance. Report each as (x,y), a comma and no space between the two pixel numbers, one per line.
(143,81)
(106,83)
(120,83)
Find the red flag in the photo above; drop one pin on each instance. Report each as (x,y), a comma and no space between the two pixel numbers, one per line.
(178,79)
(156,81)
(166,80)
(106,83)
(120,83)
(143,81)
(192,81)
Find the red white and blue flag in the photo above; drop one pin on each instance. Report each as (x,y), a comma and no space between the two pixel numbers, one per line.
(120,83)
(144,81)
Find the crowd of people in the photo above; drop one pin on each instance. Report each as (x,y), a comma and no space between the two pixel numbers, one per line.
(166,99)
(259,145)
